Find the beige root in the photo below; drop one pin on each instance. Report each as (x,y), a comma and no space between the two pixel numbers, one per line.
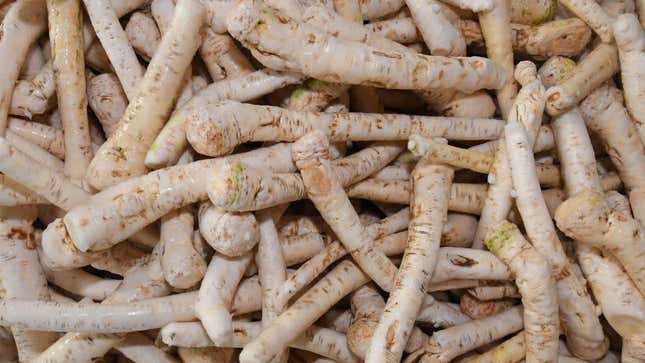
(108,101)
(325,342)
(533,12)
(183,267)
(548,175)
(216,226)
(597,67)
(220,50)
(14,194)
(449,343)
(266,43)
(580,324)
(587,218)
(367,307)
(604,273)
(143,34)
(511,350)
(216,296)
(630,39)
(536,285)
(464,198)
(236,188)
(69,74)
(22,25)
(556,70)
(436,29)
(608,118)
(564,37)
(496,30)
(42,135)
(22,276)
(593,14)
(476,309)
(429,208)
(115,42)
(33,63)
(311,154)
(343,279)
(171,141)
(122,156)
(527,110)
(216,129)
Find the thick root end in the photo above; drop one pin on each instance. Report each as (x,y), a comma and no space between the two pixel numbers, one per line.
(583,216)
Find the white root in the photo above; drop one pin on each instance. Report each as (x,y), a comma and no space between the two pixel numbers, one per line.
(216,226)
(594,15)
(81,283)
(630,39)
(21,274)
(477,309)
(171,141)
(315,339)
(42,135)
(236,188)
(155,195)
(220,49)
(610,120)
(580,324)
(527,110)
(183,267)
(343,279)
(536,285)
(143,34)
(65,19)
(272,268)
(597,67)
(496,30)
(367,307)
(13,194)
(101,318)
(441,37)
(216,295)
(108,101)
(511,350)
(139,348)
(267,44)
(216,129)
(122,156)
(115,42)
(21,26)
(429,208)
(311,154)
(449,343)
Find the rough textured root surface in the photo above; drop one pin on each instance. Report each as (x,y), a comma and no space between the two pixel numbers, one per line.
(537,287)
(122,156)
(258,28)
(429,207)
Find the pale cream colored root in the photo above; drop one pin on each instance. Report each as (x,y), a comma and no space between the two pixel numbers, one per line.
(21,26)
(593,14)
(597,67)
(537,287)
(236,188)
(496,30)
(220,49)
(205,355)
(171,141)
(311,154)
(183,267)
(449,343)
(216,129)
(13,194)
(343,279)
(429,208)
(441,37)
(65,19)
(630,39)
(143,34)
(107,100)
(494,290)
(510,351)
(145,115)
(115,42)
(245,15)
(476,309)
(44,136)
(464,198)
(217,225)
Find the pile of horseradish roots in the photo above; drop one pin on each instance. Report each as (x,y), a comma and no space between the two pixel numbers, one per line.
(317,181)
